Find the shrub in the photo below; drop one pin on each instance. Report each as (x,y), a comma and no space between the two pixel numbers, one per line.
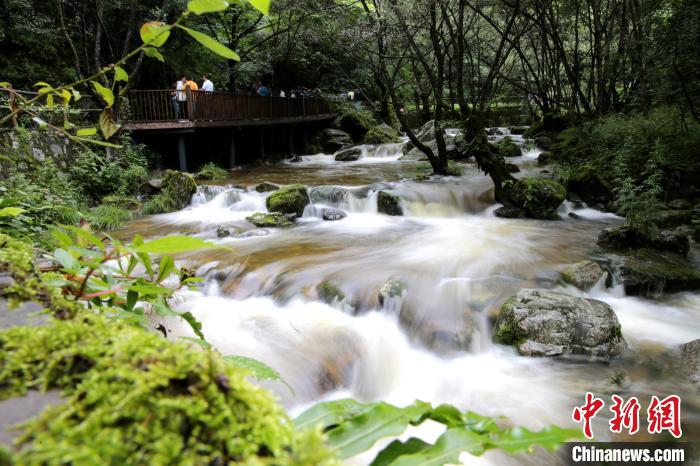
(107,217)
(211,171)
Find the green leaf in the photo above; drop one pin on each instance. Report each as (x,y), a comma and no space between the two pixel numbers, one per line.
(206,6)
(155,33)
(398,448)
(382,420)
(86,131)
(40,122)
(153,53)
(76,94)
(201,342)
(5,84)
(212,44)
(330,414)
(11,211)
(108,126)
(62,238)
(132,298)
(66,260)
(86,235)
(104,92)
(259,370)
(120,74)
(446,450)
(174,244)
(263,6)
(194,323)
(147,289)
(166,267)
(519,438)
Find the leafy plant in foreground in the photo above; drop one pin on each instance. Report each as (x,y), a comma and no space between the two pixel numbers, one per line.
(352,428)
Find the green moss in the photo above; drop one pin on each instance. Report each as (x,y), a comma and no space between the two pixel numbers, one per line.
(269,220)
(211,171)
(17,260)
(508,148)
(133,397)
(506,331)
(177,191)
(329,293)
(382,134)
(288,200)
(539,197)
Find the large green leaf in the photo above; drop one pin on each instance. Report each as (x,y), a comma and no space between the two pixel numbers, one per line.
(155,33)
(261,5)
(108,126)
(120,74)
(398,448)
(173,245)
(381,420)
(330,413)
(206,6)
(104,92)
(212,44)
(11,211)
(153,53)
(446,450)
(521,439)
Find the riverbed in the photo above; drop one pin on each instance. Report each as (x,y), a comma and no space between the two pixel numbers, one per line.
(458,262)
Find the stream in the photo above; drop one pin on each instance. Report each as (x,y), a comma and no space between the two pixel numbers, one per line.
(459,263)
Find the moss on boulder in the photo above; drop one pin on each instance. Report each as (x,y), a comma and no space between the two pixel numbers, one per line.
(382,134)
(507,147)
(329,293)
(648,272)
(354,122)
(269,220)
(176,193)
(288,200)
(587,182)
(540,198)
(389,204)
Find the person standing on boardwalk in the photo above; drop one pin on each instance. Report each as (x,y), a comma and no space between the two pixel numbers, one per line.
(207,85)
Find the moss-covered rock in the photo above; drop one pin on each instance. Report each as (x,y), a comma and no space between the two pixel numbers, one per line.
(354,122)
(391,289)
(348,155)
(583,274)
(332,140)
(288,200)
(626,238)
(545,158)
(329,293)
(507,147)
(389,204)
(648,272)
(269,220)
(544,142)
(176,193)
(382,134)
(540,198)
(587,182)
(549,323)
(133,397)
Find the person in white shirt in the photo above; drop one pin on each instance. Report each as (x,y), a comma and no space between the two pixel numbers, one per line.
(181,97)
(207,85)
(282,94)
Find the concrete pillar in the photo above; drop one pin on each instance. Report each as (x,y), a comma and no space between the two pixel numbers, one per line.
(305,140)
(262,142)
(232,149)
(290,128)
(182,152)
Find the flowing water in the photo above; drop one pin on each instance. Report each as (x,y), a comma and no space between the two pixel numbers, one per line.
(459,263)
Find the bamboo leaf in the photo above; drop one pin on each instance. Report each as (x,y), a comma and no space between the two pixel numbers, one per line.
(206,6)
(520,439)
(263,6)
(212,44)
(330,414)
(155,33)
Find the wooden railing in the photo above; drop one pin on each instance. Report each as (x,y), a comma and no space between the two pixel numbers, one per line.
(167,105)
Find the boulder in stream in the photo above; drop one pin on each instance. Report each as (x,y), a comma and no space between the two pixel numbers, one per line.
(288,200)
(327,193)
(507,147)
(549,323)
(539,197)
(391,289)
(175,194)
(583,274)
(382,134)
(333,140)
(624,238)
(544,142)
(269,220)
(266,187)
(545,158)
(348,155)
(426,135)
(592,188)
(690,360)
(330,214)
(329,293)
(648,272)
(389,204)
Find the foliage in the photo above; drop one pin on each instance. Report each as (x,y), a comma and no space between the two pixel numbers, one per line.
(107,217)
(117,378)
(176,193)
(353,428)
(211,171)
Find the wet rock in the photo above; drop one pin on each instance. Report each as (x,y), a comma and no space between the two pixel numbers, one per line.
(518,129)
(545,158)
(690,360)
(422,177)
(348,155)
(288,200)
(329,293)
(391,289)
(623,238)
(647,272)
(156,183)
(333,140)
(587,182)
(327,193)
(332,214)
(252,233)
(296,159)
(6,280)
(266,187)
(441,335)
(583,274)
(680,204)
(353,123)
(549,323)
(544,142)
(512,168)
(510,212)
(21,409)
(507,147)
(426,135)
(269,220)
(389,204)
(539,197)
(222,232)
(382,134)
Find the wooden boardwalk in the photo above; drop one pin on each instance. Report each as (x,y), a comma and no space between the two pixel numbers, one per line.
(162,110)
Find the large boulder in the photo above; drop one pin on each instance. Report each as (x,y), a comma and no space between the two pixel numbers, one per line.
(328,194)
(545,158)
(583,274)
(348,155)
(354,123)
(539,197)
(649,272)
(587,182)
(690,360)
(507,147)
(550,323)
(266,187)
(288,200)
(382,134)
(441,334)
(623,238)
(176,191)
(269,220)
(333,140)
(389,204)
(331,214)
